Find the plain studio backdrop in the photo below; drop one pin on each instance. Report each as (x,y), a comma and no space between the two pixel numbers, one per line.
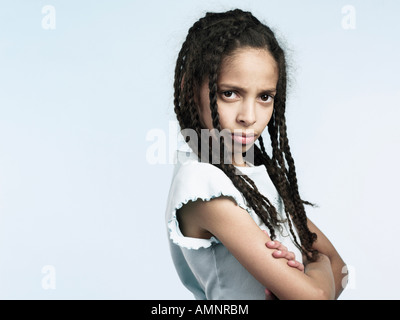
(86,108)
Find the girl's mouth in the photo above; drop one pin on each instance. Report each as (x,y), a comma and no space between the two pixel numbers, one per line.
(243,139)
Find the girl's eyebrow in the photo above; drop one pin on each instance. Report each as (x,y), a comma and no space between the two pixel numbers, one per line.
(236,88)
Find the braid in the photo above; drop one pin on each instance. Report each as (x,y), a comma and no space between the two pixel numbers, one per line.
(280,185)
(209,40)
(307,236)
(260,204)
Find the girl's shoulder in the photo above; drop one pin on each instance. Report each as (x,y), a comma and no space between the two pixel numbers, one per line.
(195,180)
(192,173)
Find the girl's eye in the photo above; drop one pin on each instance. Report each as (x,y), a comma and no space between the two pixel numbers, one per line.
(228,94)
(266,98)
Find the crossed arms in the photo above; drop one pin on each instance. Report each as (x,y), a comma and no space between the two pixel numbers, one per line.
(234,227)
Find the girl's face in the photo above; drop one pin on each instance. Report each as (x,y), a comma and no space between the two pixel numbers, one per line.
(246,89)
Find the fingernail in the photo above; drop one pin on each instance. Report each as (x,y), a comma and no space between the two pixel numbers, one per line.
(272,243)
(279,252)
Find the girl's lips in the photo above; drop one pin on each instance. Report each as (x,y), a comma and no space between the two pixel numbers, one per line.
(243,139)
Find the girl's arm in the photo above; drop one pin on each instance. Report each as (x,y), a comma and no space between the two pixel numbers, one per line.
(323,245)
(234,227)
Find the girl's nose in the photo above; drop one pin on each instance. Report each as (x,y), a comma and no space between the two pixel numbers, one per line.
(247,114)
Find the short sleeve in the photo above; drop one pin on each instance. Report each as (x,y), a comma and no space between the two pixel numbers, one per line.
(193,181)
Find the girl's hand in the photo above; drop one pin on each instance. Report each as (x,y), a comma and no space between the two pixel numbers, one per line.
(269,295)
(282,252)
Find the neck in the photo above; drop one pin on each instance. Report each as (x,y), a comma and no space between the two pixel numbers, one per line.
(237,160)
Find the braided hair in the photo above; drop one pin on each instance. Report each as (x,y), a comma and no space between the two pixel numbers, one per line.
(209,41)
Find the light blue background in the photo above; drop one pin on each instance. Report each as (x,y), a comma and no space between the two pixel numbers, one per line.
(77,191)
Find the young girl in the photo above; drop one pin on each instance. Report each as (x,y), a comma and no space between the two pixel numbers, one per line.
(223,211)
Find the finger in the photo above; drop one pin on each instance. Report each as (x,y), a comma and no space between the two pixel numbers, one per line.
(290,255)
(269,295)
(273,244)
(296,264)
(280,254)
(282,247)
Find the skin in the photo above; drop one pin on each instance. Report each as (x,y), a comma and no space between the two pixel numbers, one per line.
(245,96)
(246,85)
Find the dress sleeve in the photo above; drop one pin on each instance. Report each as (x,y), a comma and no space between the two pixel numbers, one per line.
(197,181)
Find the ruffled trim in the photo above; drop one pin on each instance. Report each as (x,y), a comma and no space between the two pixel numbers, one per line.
(179,239)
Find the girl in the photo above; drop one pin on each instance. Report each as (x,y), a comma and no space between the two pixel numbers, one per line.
(227,203)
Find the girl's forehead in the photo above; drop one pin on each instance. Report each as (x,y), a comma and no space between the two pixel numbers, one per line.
(243,52)
(249,63)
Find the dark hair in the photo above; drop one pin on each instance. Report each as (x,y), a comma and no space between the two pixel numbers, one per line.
(209,40)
